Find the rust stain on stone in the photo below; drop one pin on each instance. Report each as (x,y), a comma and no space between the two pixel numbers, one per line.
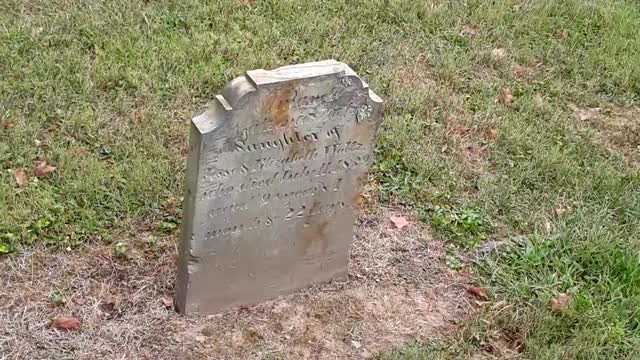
(276,105)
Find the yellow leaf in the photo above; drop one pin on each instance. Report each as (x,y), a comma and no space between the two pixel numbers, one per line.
(21,177)
(560,303)
(506,96)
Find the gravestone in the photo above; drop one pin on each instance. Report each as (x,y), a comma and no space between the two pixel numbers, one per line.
(275,169)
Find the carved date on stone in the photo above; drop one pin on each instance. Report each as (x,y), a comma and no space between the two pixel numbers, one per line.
(274,174)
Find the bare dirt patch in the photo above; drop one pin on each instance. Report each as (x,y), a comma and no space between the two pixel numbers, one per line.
(620,133)
(398,289)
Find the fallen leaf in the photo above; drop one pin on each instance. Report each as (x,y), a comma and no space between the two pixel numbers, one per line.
(42,169)
(21,177)
(506,96)
(108,163)
(247,3)
(498,53)
(476,291)
(399,221)
(491,134)
(166,302)
(470,30)
(560,211)
(546,228)
(7,125)
(66,324)
(356,344)
(561,35)
(560,303)
(444,148)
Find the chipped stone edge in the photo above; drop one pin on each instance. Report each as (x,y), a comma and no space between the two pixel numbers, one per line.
(236,91)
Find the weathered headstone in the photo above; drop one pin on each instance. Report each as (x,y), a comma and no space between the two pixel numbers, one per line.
(275,169)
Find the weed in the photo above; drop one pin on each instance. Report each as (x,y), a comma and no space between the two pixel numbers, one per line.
(58,299)
(120,249)
(397,178)
(169,225)
(465,227)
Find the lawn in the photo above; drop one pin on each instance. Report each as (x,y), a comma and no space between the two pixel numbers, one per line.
(513,123)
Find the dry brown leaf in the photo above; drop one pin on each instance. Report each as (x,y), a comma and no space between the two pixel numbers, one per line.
(7,125)
(166,302)
(470,30)
(506,96)
(42,169)
(562,35)
(21,177)
(491,134)
(546,228)
(248,3)
(477,291)
(66,324)
(498,53)
(399,221)
(560,303)
(559,211)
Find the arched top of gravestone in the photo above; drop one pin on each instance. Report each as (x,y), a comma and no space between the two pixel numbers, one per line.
(237,93)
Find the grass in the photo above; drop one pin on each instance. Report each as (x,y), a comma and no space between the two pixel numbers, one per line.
(103,90)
